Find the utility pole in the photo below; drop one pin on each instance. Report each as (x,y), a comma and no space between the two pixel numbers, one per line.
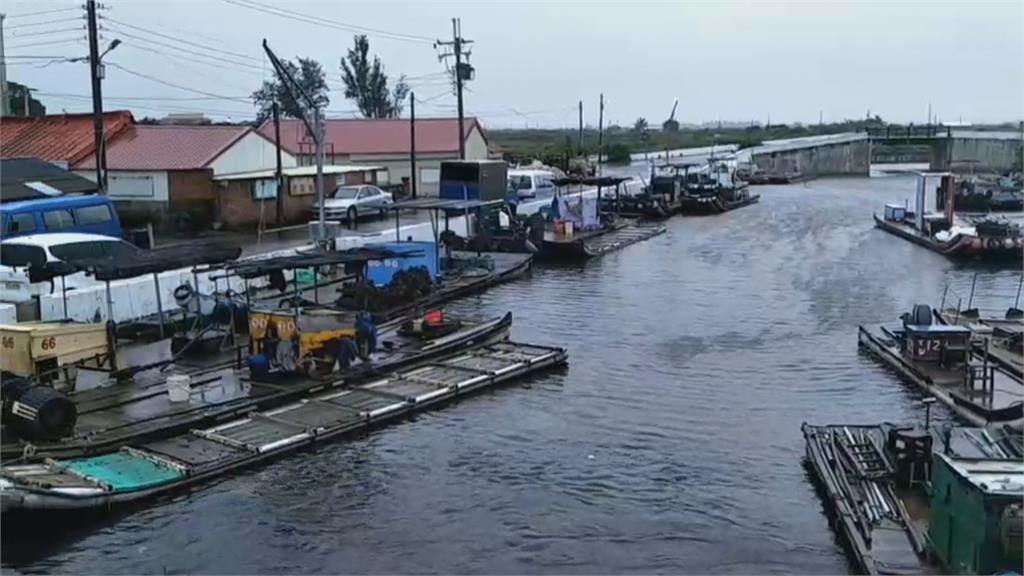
(278,173)
(5,104)
(463,72)
(316,128)
(600,135)
(96,74)
(929,113)
(581,128)
(412,141)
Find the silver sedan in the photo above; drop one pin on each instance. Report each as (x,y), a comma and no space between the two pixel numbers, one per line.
(350,202)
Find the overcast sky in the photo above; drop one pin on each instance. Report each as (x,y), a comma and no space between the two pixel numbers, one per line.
(535,60)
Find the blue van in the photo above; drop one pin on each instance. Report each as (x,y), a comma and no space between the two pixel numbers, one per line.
(92,214)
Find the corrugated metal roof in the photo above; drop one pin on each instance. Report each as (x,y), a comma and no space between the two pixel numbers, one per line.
(990,476)
(20,179)
(58,137)
(168,147)
(375,135)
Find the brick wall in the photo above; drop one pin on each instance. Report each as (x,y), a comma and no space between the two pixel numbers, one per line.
(192,192)
(239,210)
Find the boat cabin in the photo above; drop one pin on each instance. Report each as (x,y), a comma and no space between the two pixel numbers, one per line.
(945,345)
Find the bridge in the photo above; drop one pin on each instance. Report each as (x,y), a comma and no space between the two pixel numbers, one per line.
(850,153)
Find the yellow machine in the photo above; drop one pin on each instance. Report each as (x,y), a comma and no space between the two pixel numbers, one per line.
(304,342)
(50,351)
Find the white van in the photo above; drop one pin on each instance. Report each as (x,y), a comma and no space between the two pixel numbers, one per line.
(530,184)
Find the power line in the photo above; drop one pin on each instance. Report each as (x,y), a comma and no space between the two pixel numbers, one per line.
(185,50)
(173,57)
(45,32)
(42,12)
(174,98)
(328,23)
(58,21)
(186,42)
(173,85)
(47,43)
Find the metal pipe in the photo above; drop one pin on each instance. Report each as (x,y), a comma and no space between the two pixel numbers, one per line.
(970,300)
(159,304)
(64,294)
(1020,283)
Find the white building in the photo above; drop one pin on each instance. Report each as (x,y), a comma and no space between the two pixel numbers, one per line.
(386,142)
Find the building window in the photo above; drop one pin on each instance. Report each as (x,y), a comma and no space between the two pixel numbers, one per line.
(92,215)
(21,223)
(430,175)
(58,219)
(264,189)
(383,178)
(301,186)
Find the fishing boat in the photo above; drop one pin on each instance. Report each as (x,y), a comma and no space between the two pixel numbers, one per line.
(145,470)
(913,501)
(986,238)
(581,226)
(941,360)
(660,198)
(714,187)
(127,412)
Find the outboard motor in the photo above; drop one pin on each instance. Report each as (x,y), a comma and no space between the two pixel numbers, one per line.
(921,315)
(36,412)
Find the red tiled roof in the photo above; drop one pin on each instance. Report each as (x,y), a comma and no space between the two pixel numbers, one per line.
(57,137)
(375,136)
(167,147)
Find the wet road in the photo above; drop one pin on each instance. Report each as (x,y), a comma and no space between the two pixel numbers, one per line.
(671,444)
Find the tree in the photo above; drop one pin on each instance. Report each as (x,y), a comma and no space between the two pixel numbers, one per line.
(367,84)
(309,75)
(16,98)
(640,125)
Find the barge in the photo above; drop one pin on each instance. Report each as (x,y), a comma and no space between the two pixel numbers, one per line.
(941,361)
(912,501)
(124,413)
(192,457)
(947,233)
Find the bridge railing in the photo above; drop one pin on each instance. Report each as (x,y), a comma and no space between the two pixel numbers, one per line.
(911,131)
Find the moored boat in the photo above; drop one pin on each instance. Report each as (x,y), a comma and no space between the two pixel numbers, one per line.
(157,467)
(949,234)
(941,360)
(913,501)
(714,187)
(124,413)
(581,226)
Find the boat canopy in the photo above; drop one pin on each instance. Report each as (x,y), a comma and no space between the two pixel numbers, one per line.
(130,264)
(443,204)
(312,259)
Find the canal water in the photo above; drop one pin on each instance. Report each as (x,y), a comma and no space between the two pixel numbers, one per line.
(670,444)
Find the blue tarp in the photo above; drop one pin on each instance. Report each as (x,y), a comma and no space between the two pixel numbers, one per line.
(124,472)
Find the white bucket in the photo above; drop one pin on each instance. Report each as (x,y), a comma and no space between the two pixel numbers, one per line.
(569,226)
(179,387)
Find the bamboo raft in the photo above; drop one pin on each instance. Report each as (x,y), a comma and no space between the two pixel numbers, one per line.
(161,466)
